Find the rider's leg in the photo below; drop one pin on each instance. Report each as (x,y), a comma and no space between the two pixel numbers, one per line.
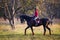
(36,21)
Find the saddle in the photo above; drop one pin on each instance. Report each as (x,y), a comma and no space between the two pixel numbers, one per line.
(37,20)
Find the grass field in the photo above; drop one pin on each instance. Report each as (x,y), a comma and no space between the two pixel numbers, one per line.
(6,33)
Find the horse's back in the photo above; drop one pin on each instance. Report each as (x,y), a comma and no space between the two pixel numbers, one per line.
(44,19)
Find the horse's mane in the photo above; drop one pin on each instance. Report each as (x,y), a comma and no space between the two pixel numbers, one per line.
(26,16)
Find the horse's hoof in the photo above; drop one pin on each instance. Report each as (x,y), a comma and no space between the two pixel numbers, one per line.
(44,34)
(50,34)
(33,34)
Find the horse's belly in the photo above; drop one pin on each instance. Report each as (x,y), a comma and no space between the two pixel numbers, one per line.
(37,25)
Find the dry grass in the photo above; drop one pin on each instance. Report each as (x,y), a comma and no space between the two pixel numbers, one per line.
(6,33)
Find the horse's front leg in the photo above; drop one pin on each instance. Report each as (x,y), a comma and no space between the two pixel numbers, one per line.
(44,29)
(26,29)
(32,30)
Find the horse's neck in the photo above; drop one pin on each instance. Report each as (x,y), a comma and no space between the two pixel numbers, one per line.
(27,18)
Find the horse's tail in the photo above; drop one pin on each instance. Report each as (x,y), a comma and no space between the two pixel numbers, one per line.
(50,22)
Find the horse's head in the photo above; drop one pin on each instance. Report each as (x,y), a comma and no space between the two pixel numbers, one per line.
(22,19)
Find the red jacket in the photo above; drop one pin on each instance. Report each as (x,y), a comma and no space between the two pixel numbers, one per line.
(36,12)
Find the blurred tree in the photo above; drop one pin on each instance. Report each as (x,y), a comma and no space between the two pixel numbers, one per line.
(47,8)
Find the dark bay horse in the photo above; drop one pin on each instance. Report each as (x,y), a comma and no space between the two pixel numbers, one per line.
(31,22)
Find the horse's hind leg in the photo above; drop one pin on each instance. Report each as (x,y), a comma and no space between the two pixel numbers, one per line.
(49,29)
(26,29)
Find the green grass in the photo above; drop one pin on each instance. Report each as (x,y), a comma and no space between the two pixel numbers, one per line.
(30,37)
(18,34)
